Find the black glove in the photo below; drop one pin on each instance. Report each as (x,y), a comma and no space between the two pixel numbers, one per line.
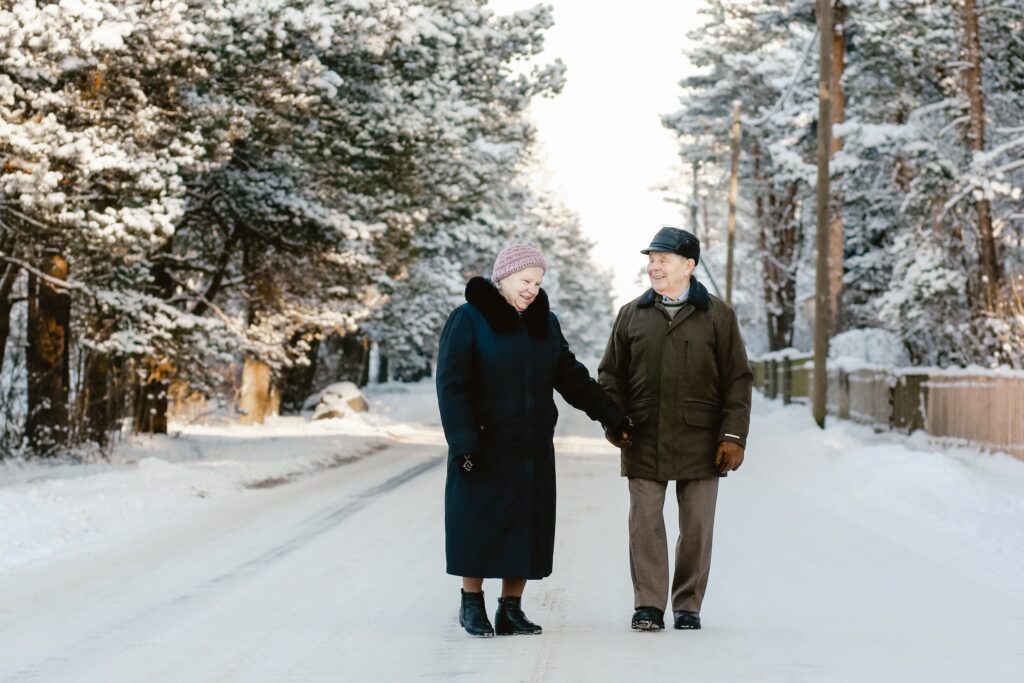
(621,435)
(466,464)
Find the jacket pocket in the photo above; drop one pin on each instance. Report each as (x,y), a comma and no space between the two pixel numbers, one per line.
(702,415)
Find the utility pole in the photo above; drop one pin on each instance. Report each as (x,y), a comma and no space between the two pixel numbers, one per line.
(837,112)
(821,295)
(734,182)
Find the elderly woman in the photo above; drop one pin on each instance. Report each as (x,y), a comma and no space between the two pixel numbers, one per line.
(501,356)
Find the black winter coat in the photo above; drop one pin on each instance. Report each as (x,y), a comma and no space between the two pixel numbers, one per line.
(496,374)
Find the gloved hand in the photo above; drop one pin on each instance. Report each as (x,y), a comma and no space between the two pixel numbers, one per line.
(621,435)
(729,456)
(467,462)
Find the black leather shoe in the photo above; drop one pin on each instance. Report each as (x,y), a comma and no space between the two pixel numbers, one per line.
(509,620)
(648,619)
(473,615)
(686,621)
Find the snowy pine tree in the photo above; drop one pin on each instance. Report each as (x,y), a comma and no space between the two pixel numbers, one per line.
(233,182)
(927,181)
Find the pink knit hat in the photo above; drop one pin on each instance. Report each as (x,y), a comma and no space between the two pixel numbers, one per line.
(514,259)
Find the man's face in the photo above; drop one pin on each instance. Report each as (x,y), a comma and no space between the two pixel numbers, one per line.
(669,273)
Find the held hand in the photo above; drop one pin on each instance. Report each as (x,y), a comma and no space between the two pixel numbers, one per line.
(621,435)
(729,456)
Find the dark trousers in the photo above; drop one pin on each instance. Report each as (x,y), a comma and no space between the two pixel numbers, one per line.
(648,545)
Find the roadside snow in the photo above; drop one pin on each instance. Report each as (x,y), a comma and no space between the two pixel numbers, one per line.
(49,508)
(968,502)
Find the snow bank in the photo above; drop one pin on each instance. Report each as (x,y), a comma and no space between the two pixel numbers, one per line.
(959,498)
(51,507)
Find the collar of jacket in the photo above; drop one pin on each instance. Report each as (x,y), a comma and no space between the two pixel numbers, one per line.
(699,297)
(501,315)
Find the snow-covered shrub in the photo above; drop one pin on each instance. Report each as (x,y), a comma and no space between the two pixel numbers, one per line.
(869,345)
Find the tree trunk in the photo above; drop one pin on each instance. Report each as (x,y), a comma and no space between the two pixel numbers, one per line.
(47,357)
(382,369)
(258,397)
(354,365)
(767,264)
(990,266)
(297,381)
(777,236)
(778,240)
(6,287)
(734,172)
(758,184)
(364,375)
(99,408)
(821,297)
(836,239)
(151,397)
(704,215)
(693,203)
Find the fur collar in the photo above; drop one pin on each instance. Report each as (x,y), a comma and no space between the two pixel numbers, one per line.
(501,316)
(699,297)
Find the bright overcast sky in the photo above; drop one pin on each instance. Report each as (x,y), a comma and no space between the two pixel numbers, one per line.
(602,137)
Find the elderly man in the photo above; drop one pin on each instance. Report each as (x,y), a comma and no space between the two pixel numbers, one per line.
(676,364)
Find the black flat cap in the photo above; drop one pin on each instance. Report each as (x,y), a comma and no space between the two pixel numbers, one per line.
(675,241)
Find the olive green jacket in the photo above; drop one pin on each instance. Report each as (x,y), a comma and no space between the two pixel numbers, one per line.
(684,381)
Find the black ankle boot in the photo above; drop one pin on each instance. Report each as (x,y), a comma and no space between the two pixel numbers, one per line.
(509,620)
(686,621)
(648,619)
(473,615)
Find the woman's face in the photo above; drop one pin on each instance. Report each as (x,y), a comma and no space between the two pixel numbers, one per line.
(520,289)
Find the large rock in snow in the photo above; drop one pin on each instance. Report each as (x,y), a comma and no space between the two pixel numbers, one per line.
(336,400)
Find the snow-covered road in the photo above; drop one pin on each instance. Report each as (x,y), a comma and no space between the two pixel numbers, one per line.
(839,556)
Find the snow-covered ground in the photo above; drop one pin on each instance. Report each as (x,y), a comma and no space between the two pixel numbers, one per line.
(308,551)
(50,508)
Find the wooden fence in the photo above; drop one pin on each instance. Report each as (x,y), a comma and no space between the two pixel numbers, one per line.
(980,408)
